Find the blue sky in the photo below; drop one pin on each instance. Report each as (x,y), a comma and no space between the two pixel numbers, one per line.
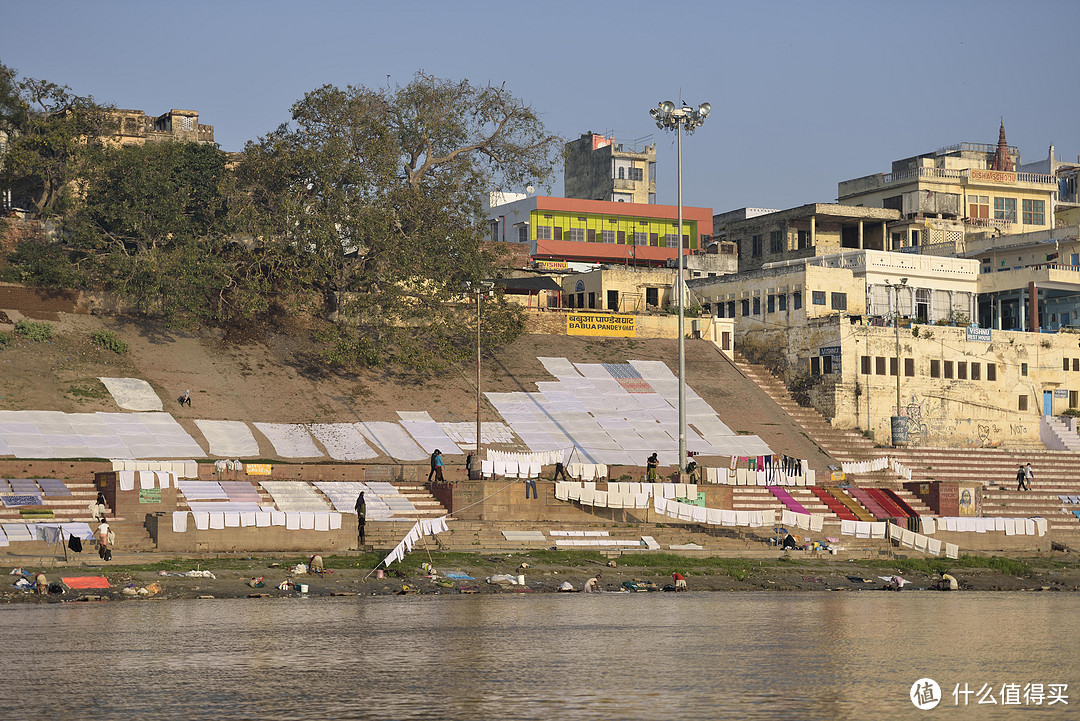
(804,94)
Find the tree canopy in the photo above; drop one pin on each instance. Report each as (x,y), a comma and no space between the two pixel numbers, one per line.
(377,194)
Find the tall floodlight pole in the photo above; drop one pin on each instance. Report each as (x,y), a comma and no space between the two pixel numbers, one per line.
(670,117)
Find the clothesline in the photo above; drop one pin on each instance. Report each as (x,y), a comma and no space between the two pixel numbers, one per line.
(423,527)
(877,464)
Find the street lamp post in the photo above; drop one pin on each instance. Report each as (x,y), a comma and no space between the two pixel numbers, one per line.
(670,117)
(899,433)
(479,289)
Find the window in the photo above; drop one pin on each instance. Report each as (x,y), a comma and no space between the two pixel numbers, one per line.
(641,238)
(826,364)
(839,301)
(815,366)
(543,232)
(652,297)
(654,240)
(577,234)
(976,371)
(671,241)
(909,367)
(781,302)
(621,237)
(770,304)
(494,231)
(1005,209)
(1073,399)
(1021,404)
(894,366)
(1034,212)
(961,370)
(935,369)
(558,232)
(607,236)
(897,241)
(817,297)
(922,304)
(613,300)
(590,235)
(592,300)
(991,371)
(622,173)
(719,310)
(570,301)
(1064,364)
(757,306)
(731,309)
(1023,369)
(523,233)
(1076,364)
(948,369)
(776,241)
(580,300)
(978,206)
(866,365)
(796,300)
(755,246)
(879,366)
(804,239)
(637,173)
(746,307)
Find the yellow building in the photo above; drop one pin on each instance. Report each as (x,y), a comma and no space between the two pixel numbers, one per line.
(956,193)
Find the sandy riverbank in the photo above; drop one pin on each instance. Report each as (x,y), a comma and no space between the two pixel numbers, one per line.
(545,572)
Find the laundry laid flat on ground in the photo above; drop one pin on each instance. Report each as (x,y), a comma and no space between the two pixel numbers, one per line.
(290,440)
(86,581)
(343,442)
(228,439)
(392,440)
(134,394)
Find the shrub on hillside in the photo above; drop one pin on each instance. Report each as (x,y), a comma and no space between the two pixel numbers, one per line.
(38,332)
(108,340)
(6,340)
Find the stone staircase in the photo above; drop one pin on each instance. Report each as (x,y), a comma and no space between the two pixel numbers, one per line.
(1056,434)
(841,444)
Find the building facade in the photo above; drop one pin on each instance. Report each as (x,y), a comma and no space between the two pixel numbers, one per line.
(597,167)
(568,230)
(135,127)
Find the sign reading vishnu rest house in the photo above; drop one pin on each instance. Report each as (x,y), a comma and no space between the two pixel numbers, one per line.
(984,335)
(605,324)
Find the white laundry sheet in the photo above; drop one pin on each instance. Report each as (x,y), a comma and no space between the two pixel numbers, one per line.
(201,490)
(295,496)
(134,394)
(343,441)
(392,440)
(430,436)
(229,439)
(52,434)
(290,440)
(491,432)
(343,494)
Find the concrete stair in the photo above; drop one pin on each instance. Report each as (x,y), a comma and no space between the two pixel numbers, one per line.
(1056,434)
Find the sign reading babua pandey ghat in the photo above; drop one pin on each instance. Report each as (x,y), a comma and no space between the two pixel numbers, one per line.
(605,324)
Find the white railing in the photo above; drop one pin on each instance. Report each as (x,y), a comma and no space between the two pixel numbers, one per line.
(1036,178)
(942,173)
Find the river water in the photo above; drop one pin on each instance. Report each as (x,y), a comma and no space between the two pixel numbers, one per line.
(611,656)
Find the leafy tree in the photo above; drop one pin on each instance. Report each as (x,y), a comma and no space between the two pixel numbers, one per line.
(372,198)
(47,141)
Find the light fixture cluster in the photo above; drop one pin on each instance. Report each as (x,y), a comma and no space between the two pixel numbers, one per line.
(668,116)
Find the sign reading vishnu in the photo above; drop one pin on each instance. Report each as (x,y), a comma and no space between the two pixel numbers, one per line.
(606,324)
(984,335)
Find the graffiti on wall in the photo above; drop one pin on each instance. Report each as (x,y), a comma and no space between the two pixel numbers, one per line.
(930,420)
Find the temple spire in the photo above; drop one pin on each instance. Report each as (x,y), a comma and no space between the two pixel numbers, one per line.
(1002,159)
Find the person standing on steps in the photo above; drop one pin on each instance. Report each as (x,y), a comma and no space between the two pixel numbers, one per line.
(1028,476)
(1021,476)
(361,517)
(431,473)
(437,460)
(651,467)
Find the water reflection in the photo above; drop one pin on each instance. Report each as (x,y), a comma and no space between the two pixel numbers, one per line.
(738,655)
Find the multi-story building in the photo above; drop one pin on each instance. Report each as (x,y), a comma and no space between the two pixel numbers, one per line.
(135,127)
(568,231)
(767,236)
(597,167)
(956,193)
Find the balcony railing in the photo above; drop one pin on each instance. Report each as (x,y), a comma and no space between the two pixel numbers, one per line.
(900,176)
(989,223)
